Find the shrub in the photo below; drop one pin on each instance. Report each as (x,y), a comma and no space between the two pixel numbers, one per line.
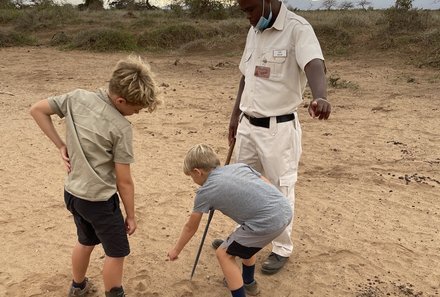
(103,40)
(169,37)
(333,40)
(15,39)
(43,17)
(401,20)
(8,15)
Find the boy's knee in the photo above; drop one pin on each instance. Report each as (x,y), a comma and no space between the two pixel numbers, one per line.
(222,254)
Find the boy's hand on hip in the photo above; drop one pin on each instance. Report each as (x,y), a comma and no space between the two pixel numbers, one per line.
(65,157)
(130,225)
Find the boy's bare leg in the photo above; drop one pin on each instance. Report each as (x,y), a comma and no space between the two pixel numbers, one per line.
(112,272)
(231,271)
(250,262)
(80,261)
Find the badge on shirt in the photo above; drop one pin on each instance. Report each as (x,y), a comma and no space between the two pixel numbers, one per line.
(262,71)
(280,53)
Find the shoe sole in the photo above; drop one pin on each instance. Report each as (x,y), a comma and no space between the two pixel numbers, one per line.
(269,271)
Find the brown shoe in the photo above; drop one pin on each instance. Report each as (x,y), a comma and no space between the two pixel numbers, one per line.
(273,263)
(252,288)
(115,292)
(74,292)
(216,243)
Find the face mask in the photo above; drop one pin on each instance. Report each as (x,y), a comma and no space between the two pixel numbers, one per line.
(263,23)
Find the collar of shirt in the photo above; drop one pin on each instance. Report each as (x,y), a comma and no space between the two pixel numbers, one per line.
(281,18)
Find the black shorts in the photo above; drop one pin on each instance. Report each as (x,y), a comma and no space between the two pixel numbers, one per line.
(244,252)
(99,222)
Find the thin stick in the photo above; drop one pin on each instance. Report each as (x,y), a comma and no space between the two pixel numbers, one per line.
(211,214)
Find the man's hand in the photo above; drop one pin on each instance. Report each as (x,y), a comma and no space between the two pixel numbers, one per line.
(233,125)
(320,108)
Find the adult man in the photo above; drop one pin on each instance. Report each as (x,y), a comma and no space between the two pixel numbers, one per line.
(282,53)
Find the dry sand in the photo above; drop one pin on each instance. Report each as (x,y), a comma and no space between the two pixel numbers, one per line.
(367,214)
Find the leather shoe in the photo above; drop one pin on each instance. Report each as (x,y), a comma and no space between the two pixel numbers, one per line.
(216,243)
(273,263)
(252,289)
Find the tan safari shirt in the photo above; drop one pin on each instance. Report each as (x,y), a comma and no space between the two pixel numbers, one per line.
(273,65)
(97,137)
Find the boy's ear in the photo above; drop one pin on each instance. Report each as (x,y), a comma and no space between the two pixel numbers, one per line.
(121,100)
(197,171)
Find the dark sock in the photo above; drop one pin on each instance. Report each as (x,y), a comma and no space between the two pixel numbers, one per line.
(79,285)
(248,274)
(239,292)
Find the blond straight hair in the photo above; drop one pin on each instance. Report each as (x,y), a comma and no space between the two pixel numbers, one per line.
(200,156)
(133,80)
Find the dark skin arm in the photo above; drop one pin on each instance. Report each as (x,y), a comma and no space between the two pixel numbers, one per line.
(315,72)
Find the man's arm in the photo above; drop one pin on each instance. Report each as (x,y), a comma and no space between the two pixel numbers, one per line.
(41,112)
(233,123)
(125,186)
(315,72)
(187,233)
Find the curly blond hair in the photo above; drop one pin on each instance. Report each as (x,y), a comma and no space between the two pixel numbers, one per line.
(133,80)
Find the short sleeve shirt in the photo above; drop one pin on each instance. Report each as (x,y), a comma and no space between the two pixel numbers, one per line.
(282,51)
(97,137)
(238,192)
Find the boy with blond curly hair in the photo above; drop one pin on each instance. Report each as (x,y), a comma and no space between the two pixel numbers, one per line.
(97,155)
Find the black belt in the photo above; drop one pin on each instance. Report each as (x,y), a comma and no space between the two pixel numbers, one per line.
(265,122)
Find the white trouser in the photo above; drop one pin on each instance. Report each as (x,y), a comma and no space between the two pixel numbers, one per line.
(275,153)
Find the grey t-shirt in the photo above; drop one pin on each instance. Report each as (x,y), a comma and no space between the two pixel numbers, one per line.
(97,137)
(238,192)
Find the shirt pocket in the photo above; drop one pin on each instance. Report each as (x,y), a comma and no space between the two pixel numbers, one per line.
(276,60)
(245,65)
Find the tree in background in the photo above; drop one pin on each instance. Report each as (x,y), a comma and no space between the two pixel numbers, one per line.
(403,4)
(328,4)
(363,3)
(210,9)
(131,4)
(346,5)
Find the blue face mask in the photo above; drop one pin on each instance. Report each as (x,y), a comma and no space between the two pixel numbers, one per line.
(263,23)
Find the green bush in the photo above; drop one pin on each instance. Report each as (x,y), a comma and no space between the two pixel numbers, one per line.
(401,20)
(104,40)
(10,39)
(333,40)
(46,17)
(169,37)
(9,15)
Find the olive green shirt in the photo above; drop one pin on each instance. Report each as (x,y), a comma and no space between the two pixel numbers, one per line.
(97,137)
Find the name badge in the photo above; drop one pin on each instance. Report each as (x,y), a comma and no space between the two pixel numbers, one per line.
(280,53)
(262,71)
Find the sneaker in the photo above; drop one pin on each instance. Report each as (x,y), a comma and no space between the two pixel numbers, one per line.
(252,288)
(115,292)
(273,263)
(73,292)
(216,243)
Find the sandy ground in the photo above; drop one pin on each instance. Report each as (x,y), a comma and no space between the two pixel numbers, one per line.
(367,214)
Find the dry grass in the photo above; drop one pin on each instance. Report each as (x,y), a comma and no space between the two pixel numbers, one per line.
(341,33)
